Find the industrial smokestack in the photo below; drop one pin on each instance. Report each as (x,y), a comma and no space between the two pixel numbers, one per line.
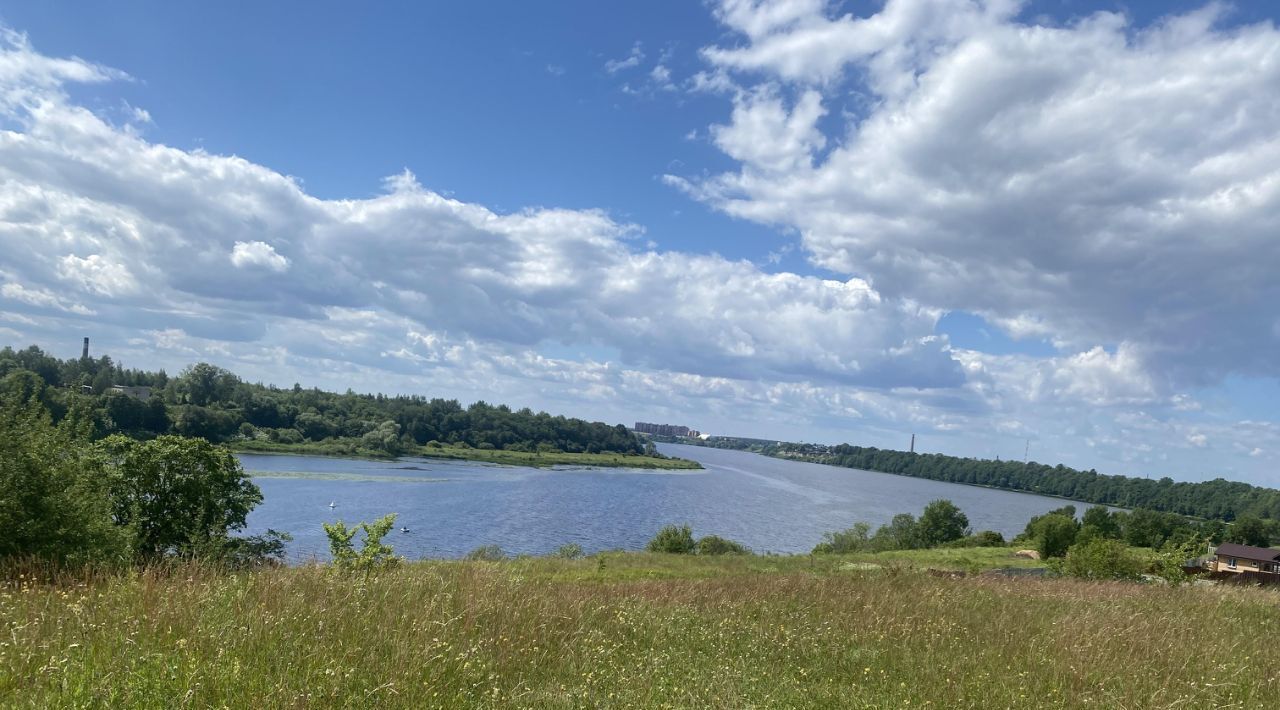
(85,355)
(913,443)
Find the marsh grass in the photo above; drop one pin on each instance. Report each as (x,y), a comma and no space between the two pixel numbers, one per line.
(363,477)
(557,458)
(628,630)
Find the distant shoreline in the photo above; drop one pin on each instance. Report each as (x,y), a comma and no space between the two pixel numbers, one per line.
(495,456)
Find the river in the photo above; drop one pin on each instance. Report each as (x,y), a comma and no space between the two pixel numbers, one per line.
(452,507)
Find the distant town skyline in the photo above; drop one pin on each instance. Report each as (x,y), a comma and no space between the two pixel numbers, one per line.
(990,224)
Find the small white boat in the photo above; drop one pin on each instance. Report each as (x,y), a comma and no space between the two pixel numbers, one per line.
(333,504)
(404,530)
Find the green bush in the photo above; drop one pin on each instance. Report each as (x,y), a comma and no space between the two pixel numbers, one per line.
(486,553)
(286,436)
(54,497)
(373,556)
(716,545)
(902,533)
(1101,558)
(1053,534)
(673,539)
(985,538)
(855,539)
(569,551)
(1168,564)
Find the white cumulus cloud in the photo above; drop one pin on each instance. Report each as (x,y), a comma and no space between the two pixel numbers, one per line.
(261,254)
(1092,182)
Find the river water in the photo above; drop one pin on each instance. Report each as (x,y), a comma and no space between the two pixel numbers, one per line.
(451,507)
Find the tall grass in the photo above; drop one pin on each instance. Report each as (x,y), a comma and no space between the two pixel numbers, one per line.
(628,630)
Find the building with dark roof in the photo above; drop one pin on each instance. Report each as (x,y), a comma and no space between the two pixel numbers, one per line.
(1230,557)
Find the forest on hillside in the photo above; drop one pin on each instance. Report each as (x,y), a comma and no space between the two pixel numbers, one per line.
(1218,499)
(212,403)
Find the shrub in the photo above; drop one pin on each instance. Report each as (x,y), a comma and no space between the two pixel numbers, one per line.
(569,551)
(385,437)
(673,539)
(902,533)
(54,497)
(248,552)
(716,545)
(855,539)
(373,556)
(486,553)
(1054,534)
(986,538)
(1101,558)
(286,436)
(1169,564)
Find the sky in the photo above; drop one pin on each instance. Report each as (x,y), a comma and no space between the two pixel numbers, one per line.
(1005,227)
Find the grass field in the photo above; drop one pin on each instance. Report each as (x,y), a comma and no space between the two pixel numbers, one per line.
(346,449)
(625,630)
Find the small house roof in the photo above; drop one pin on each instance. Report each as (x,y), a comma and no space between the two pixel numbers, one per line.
(1249,552)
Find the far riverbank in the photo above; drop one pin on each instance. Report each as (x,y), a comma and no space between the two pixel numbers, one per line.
(537,459)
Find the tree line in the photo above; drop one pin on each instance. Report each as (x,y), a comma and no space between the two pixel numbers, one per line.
(1218,499)
(212,403)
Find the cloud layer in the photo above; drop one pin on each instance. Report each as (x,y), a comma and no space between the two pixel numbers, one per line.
(1090,182)
(100,221)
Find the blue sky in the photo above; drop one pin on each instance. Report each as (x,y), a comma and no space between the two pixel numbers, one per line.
(981,222)
(341,99)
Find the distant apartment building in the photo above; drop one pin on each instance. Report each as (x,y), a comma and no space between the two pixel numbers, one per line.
(666,430)
(141,394)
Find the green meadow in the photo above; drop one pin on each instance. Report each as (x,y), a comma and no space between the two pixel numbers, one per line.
(634,630)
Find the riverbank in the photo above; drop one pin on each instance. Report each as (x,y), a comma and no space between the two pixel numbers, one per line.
(634,630)
(344,449)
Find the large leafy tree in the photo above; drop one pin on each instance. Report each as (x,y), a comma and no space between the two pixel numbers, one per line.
(941,522)
(203,384)
(53,499)
(1250,530)
(179,496)
(1101,523)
